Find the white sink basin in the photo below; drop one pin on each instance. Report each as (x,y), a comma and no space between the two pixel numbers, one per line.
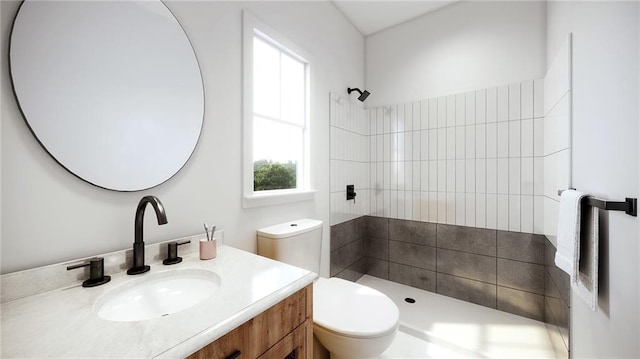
(156,295)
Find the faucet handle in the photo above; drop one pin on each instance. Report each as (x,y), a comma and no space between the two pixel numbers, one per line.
(172,257)
(96,272)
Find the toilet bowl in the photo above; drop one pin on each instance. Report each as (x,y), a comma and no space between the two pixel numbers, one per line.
(353,321)
(350,320)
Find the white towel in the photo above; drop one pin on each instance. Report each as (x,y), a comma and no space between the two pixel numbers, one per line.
(577,247)
(586,280)
(569,231)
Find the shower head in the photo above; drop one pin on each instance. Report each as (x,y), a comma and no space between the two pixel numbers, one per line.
(363,94)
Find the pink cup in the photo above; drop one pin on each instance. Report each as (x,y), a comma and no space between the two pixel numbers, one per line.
(207,249)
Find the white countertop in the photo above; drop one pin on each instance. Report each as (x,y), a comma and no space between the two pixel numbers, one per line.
(62,323)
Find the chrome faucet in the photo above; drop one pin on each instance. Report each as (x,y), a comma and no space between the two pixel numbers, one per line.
(138,244)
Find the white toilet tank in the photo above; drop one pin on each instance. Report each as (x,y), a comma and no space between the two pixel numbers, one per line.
(297,243)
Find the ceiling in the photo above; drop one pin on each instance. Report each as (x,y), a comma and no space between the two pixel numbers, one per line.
(372,16)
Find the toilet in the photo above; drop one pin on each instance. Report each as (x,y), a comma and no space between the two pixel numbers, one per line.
(350,320)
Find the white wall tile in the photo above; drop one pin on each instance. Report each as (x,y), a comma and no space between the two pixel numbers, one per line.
(451,208)
(424,206)
(417,207)
(442,175)
(481,210)
(481,106)
(451,143)
(380,120)
(538,98)
(470,141)
(538,214)
(538,176)
(387,147)
(460,176)
(400,173)
(386,120)
(400,205)
(470,108)
(442,144)
(433,113)
(451,175)
(433,207)
(503,139)
(442,112)
(470,213)
(551,219)
(526,96)
(433,176)
(514,213)
(460,142)
(416,145)
(514,175)
(514,138)
(408,145)
(460,109)
(417,175)
(503,212)
(514,102)
(408,205)
(393,115)
(386,175)
(433,144)
(526,178)
(393,176)
(492,105)
(481,141)
(424,175)
(399,149)
(400,118)
(424,145)
(492,175)
(408,116)
(492,140)
(393,203)
(481,175)
(424,114)
(492,211)
(503,176)
(526,138)
(417,122)
(503,103)
(408,175)
(451,110)
(470,176)
(526,214)
(387,203)
(538,137)
(372,122)
(379,148)
(442,207)
(461,209)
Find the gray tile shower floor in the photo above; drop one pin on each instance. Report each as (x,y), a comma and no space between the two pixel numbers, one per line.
(441,327)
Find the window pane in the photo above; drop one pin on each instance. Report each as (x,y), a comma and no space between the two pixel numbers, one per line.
(293,90)
(266,78)
(277,151)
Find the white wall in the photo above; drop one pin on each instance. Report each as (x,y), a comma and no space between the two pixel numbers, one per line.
(605,162)
(48,215)
(463,47)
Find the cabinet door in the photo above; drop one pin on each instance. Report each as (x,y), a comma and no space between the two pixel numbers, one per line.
(293,346)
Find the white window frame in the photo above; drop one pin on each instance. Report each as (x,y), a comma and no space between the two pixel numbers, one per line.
(251,27)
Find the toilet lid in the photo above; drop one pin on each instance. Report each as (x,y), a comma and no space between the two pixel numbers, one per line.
(352,309)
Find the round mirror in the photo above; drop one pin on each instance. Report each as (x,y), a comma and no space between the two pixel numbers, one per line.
(111,89)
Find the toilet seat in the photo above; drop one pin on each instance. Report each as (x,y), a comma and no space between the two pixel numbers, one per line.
(353,310)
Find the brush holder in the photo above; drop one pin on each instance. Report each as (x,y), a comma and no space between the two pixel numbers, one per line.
(208,249)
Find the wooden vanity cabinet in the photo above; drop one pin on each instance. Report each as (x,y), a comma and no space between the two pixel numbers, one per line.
(284,331)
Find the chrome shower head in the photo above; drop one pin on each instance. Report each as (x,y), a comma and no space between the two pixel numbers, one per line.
(363,94)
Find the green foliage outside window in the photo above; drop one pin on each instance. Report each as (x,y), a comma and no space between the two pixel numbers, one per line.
(269,175)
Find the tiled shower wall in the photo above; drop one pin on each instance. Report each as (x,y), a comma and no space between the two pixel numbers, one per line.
(472,159)
(509,271)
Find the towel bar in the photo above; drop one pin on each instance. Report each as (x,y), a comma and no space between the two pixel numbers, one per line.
(629,206)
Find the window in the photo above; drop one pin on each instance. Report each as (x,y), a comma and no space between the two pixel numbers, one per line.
(276,118)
